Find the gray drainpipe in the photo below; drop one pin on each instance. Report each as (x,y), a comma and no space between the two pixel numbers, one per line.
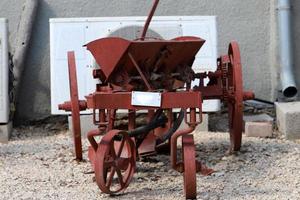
(288,83)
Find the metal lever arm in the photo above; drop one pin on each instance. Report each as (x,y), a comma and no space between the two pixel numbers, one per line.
(146,26)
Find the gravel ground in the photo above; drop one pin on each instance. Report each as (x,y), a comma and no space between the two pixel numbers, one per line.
(38,164)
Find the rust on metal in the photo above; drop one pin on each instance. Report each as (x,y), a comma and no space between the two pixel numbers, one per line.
(152,66)
(122,100)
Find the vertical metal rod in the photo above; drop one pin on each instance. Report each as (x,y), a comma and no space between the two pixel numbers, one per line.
(131,120)
(146,26)
(111,119)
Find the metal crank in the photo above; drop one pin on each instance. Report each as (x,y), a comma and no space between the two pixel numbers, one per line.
(115,162)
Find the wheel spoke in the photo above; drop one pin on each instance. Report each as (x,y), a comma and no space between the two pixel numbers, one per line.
(120,177)
(109,162)
(113,151)
(121,147)
(111,176)
(123,163)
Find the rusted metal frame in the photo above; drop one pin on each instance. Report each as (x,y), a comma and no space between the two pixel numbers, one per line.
(102,115)
(122,100)
(102,124)
(248,95)
(163,54)
(170,118)
(204,75)
(210,92)
(146,26)
(224,62)
(193,117)
(147,145)
(131,120)
(159,132)
(150,115)
(67,106)
(111,119)
(99,118)
(91,137)
(140,72)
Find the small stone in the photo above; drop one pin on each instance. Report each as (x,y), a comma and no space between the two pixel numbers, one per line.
(219,174)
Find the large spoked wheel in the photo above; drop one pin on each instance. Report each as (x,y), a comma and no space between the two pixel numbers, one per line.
(189,167)
(75,105)
(235,100)
(115,162)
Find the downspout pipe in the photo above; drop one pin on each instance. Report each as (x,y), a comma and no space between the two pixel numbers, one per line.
(289,88)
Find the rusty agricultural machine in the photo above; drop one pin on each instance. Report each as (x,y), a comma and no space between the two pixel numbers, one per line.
(155,76)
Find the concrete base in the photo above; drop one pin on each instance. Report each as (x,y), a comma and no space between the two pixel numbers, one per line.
(258,129)
(256,119)
(87,124)
(288,119)
(5,132)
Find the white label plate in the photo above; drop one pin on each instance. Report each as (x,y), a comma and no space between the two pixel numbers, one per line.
(147,99)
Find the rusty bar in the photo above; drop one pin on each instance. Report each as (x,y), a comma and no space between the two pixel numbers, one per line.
(146,26)
(111,118)
(122,100)
(140,71)
(210,92)
(67,106)
(92,140)
(248,95)
(131,120)
(102,115)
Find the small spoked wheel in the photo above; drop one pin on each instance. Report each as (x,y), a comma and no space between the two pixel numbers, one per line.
(189,171)
(115,162)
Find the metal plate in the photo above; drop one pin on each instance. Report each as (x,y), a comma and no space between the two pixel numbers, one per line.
(148,99)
